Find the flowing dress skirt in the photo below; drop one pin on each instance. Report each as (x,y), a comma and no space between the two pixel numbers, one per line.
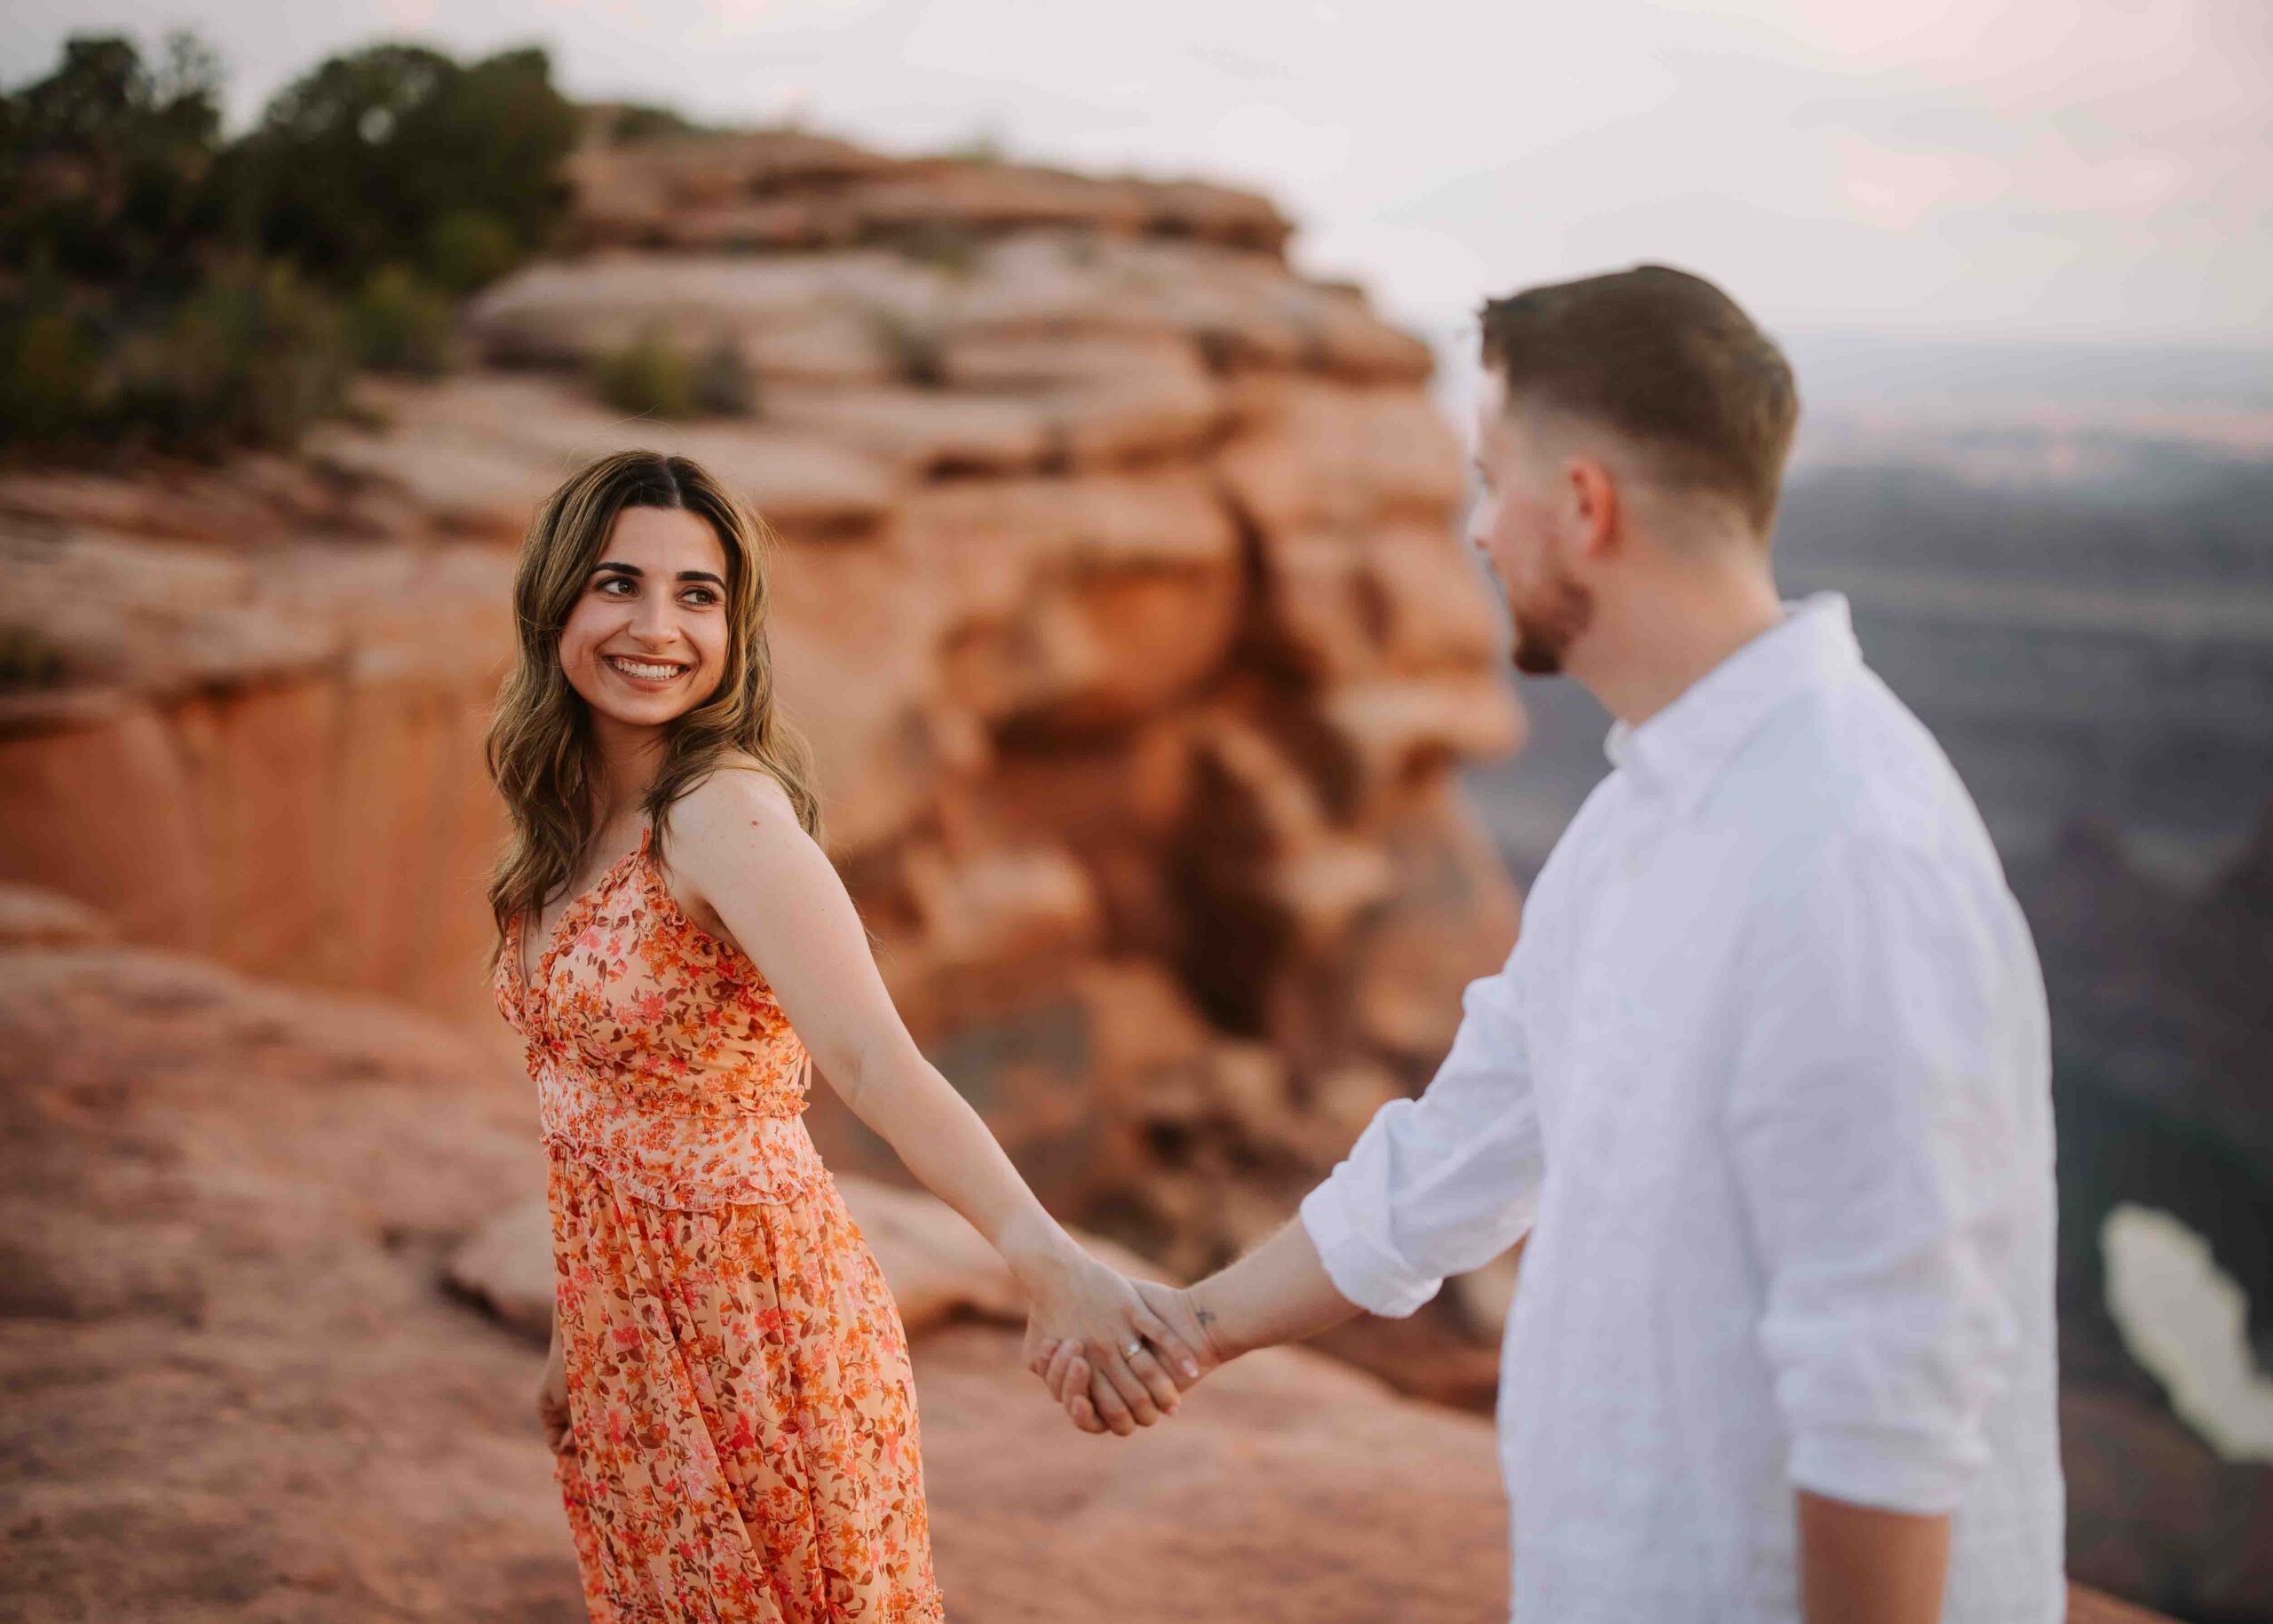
(742,1413)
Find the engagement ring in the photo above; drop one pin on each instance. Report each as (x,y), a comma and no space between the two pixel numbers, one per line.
(1132,1349)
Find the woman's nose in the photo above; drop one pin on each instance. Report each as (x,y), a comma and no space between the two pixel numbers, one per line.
(655,621)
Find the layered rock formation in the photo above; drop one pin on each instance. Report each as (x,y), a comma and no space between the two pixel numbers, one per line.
(241,1385)
(258,732)
(240,1388)
(1119,596)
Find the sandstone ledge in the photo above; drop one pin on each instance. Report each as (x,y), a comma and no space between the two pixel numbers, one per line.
(239,1389)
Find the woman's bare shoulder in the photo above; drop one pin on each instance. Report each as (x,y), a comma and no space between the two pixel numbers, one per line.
(738,794)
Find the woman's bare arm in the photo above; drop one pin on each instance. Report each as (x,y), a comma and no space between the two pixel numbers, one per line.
(737,846)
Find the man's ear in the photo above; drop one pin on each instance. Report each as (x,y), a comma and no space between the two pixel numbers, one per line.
(1591,495)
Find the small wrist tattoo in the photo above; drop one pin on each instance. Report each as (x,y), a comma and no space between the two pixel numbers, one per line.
(1205,1317)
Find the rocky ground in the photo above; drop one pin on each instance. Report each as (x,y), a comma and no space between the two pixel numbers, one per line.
(256,1240)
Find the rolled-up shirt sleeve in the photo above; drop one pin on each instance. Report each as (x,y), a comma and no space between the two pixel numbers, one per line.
(1443,1184)
(1875,1124)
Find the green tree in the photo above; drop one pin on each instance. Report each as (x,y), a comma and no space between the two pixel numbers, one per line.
(161,287)
(105,165)
(397,147)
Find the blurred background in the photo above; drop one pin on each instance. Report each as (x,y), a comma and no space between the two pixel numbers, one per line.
(1105,373)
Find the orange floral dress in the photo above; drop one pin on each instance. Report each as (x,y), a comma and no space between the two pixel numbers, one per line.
(741,1407)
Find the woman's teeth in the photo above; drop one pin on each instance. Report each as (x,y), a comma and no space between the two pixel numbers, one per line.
(643,670)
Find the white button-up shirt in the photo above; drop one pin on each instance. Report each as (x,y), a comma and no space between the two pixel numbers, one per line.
(1769,1070)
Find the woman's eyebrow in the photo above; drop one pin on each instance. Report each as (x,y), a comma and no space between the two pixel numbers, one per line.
(637,574)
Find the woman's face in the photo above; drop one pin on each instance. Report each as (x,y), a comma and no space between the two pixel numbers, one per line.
(646,639)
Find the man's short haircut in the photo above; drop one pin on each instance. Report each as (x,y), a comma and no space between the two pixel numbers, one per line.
(1666,359)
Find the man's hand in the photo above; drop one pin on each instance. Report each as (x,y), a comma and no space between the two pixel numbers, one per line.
(1279,1292)
(1140,1362)
(1089,1400)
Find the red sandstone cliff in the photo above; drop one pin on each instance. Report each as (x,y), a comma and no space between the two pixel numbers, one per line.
(1120,600)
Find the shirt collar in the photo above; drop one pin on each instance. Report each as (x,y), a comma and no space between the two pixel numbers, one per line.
(1683,748)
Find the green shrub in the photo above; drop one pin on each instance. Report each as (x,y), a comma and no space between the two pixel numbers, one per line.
(649,377)
(723,383)
(951,246)
(250,358)
(398,323)
(984,145)
(917,352)
(635,122)
(51,377)
(468,249)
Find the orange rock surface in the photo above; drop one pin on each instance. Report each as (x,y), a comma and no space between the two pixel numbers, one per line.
(1120,597)
(246,1227)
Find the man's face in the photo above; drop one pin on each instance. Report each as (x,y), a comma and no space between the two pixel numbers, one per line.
(1523,525)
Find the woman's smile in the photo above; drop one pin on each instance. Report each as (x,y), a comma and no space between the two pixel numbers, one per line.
(647,673)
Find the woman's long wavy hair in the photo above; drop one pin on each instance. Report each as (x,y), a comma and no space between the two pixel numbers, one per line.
(539,747)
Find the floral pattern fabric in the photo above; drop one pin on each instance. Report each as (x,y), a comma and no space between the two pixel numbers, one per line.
(742,1413)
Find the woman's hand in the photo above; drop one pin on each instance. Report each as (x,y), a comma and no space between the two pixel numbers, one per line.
(1067,1373)
(552,1402)
(1077,1302)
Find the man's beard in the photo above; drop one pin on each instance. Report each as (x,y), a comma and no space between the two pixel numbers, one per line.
(1547,623)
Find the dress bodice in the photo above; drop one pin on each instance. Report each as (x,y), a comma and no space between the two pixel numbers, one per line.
(660,1055)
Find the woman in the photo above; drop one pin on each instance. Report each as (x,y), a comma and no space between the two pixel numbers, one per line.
(728,1395)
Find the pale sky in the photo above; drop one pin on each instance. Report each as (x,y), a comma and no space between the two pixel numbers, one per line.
(2095,169)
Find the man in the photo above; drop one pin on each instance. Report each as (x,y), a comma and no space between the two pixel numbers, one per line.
(1768,1070)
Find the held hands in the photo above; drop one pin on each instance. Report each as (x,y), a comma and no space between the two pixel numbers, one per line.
(1136,1361)
(1084,1377)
